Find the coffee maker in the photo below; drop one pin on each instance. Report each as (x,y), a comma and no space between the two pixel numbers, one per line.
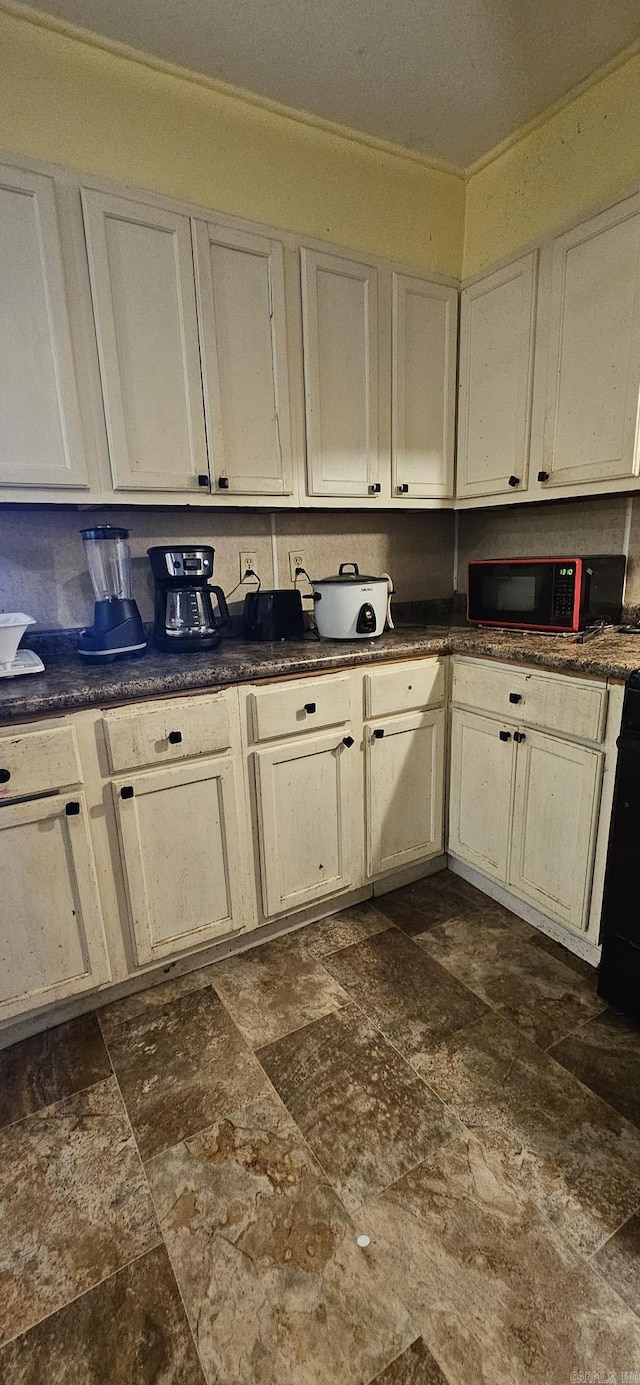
(117,631)
(185,617)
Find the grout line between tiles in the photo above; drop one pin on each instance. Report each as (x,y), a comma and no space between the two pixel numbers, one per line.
(63,1306)
(50,1106)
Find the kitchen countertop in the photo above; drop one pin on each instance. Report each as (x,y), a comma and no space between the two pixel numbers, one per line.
(67,684)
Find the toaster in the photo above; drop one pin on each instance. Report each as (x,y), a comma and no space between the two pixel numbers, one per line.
(274,615)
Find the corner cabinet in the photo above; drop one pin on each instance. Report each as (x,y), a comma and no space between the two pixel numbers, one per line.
(404,777)
(424,319)
(481,787)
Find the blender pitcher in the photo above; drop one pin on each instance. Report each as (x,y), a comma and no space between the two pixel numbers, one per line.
(117,631)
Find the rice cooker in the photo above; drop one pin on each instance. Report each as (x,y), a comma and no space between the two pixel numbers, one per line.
(351,607)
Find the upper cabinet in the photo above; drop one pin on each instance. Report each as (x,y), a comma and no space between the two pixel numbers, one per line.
(497,331)
(240,281)
(144,302)
(592,351)
(340,333)
(423,380)
(41,440)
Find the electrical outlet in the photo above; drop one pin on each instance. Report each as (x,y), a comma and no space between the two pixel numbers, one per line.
(296,560)
(247,560)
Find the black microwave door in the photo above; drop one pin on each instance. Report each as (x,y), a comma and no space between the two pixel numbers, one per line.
(511,593)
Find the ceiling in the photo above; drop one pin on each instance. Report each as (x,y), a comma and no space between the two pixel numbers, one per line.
(449,78)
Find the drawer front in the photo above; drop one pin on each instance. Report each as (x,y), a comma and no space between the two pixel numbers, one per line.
(551,701)
(305,706)
(36,762)
(167,731)
(405,688)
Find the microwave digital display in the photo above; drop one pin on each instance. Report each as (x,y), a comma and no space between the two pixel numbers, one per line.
(556,594)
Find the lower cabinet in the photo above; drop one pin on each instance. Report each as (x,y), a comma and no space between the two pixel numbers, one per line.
(183,847)
(482,767)
(404,769)
(52,943)
(307,801)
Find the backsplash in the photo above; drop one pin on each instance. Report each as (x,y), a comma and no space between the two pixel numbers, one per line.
(43,570)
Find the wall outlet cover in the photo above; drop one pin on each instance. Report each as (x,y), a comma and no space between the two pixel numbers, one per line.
(296,560)
(247,560)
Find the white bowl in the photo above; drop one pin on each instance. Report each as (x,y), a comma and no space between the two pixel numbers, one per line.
(12,628)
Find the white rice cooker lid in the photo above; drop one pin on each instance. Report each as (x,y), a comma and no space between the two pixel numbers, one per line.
(343,577)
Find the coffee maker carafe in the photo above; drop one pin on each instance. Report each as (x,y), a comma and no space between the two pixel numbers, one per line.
(185,616)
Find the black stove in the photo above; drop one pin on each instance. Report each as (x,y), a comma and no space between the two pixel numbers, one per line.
(619,976)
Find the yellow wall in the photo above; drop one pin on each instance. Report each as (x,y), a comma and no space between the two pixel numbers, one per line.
(583,153)
(97,111)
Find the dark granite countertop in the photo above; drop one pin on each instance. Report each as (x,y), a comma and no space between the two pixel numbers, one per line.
(67,684)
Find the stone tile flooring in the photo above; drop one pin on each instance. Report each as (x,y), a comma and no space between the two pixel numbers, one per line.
(183,1175)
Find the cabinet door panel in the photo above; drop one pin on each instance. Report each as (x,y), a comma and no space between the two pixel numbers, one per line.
(241,294)
(423,398)
(340,330)
(557,795)
(593,363)
(405,790)
(144,304)
(480,793)
(41,442)
(497,322)
(308,801)
(52,943)
(183,856)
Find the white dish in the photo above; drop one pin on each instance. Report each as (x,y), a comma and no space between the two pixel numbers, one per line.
(25,662)
(12,627)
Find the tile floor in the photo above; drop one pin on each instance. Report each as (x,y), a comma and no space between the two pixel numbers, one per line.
(183,1174)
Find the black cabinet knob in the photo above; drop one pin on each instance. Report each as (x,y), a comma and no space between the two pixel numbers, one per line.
(505,735)
(72,809)
(223,483)
(515,697)
(5,775)
(309,707)
(543,475)
(378,733)
(348,741)
(175,737)
(375,488)
(514,481)
(203,479)
(126,792)
(403,489)
(519,736)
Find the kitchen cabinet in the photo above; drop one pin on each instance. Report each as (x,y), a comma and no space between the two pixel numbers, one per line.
(497,333)
(183,847)
(482,769)
(592,352)
(144,302)
(404,778)
(41,438)
(243,331)
(308,800)
(423,385)
(340,341)
(52,942)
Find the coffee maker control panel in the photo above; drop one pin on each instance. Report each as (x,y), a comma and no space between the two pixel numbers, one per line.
(185,562)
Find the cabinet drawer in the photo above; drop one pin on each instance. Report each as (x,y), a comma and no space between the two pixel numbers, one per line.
(36,762)
(551,701)
(305,706)
(167,731)
(404,689)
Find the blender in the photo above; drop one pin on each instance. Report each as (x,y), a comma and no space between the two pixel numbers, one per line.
(117,631)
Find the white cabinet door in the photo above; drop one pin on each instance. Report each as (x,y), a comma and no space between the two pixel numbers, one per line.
(497,330)
(52,943)
(144,304)
(309,803)
(340,336)
(593,352)
(482,766)
(41,442)
(183,854)
(243,331)
(404,789)
(556,801)
(423,387)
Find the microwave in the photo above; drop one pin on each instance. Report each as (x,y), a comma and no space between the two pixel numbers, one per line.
(556,594)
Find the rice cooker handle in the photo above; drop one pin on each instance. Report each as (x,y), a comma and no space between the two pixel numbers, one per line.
(389,595)
(343,567)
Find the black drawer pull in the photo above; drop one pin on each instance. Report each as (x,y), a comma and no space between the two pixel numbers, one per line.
(175,737)
(514,481)
(5,775)
(309,707)
(203,479)
(543,475)
(519,736)
(515,697)
(223,483)
(378,733)
(375,488)
(348,741)
(126,792)
(505,735)
(403,489)
(72,809)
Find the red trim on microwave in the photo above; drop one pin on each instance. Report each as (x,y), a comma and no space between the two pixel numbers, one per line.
(521,625)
